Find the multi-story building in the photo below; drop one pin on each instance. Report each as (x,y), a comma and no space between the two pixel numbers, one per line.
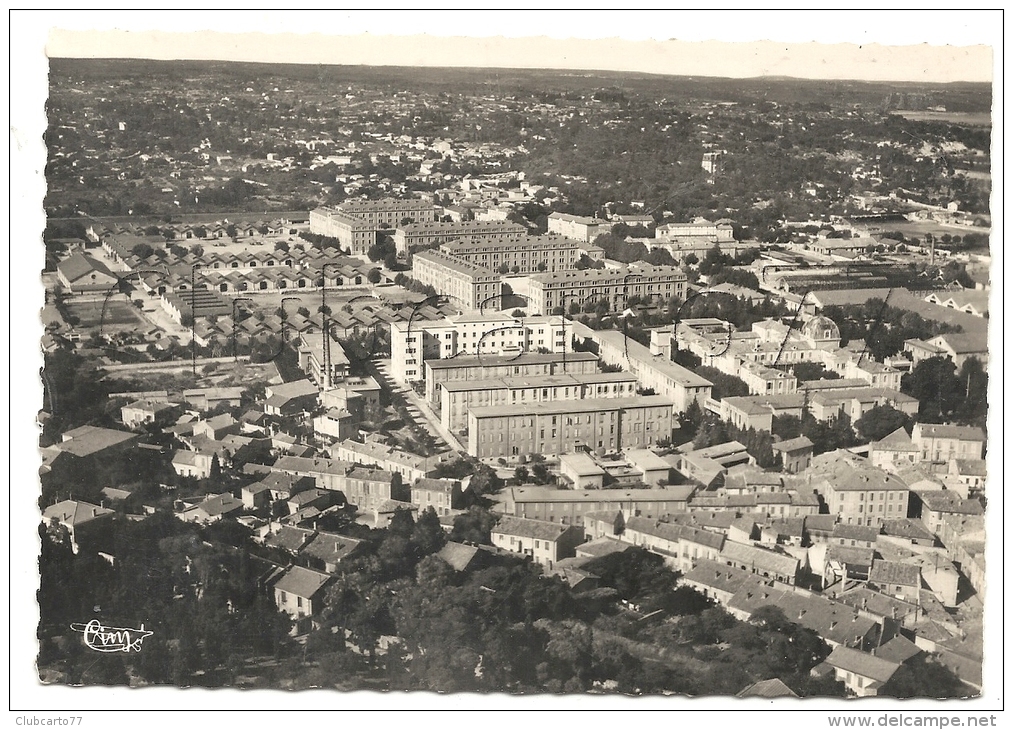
(615,286)
(829,405)
(471,333)
(410,237)
(472,285)
(388,213)
(355,222)
(681,546)
(900,580)
(700,230)
(527,364)
(763,380)
(857,492)
(569,506)
(410,466)
(577,226)
(956,347)
(894,451)
(299,593)
(362,487)
(523,255)
(313,359)
(457,398)
(758,411)
(352,233)
(443,495)
(545,542)
(941,442)
(666,378)
(557,427)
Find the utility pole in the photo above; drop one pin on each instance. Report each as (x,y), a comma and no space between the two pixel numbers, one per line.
(327,325)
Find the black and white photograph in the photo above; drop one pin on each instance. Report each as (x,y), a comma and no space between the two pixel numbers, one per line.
(662,369)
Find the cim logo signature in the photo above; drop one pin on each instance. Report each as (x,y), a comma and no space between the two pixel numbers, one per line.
(111,639)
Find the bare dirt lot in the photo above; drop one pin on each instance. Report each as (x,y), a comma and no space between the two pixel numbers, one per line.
(116,314)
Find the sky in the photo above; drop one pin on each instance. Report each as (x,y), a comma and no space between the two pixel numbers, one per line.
(873,45)
(870,45)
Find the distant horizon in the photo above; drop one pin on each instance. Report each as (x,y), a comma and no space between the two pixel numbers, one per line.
(561,70)
(450,46)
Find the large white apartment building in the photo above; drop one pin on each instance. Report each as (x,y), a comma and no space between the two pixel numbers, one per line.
(457,398)
(655,372)
(471,333)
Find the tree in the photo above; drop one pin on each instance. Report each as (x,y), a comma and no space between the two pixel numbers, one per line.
(521,475)
(540,474)
(924,677)
(474,526)
(374,276)
(142,250)
(381,249)
(216,468)
(281,246)
(880,421)
(933,381)
(973,406)
(197,250)
(484,481)
(813,371)
(428,535)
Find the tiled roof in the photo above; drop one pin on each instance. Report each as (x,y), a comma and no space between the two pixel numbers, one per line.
(759,558)
(898,440)
(855,532)
(218,504)
(898,649)
(301,581)
(523,527)
(87,440)
(456,555)
(909,528)
(330,548)
(794,444)
(947,501)
(291,539)
(889,571)
(73,512)
(823,523)
(851,555)
(861,663)
(602,546)
(767,688)
(946,431)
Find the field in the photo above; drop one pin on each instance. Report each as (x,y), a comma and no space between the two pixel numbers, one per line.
(918,229)
(117,314)
(967,119)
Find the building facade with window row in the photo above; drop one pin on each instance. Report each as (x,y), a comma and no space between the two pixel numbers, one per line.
(558,427)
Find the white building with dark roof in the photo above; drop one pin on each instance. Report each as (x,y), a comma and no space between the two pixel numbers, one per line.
(942,442)
(861,672)
(545,542)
